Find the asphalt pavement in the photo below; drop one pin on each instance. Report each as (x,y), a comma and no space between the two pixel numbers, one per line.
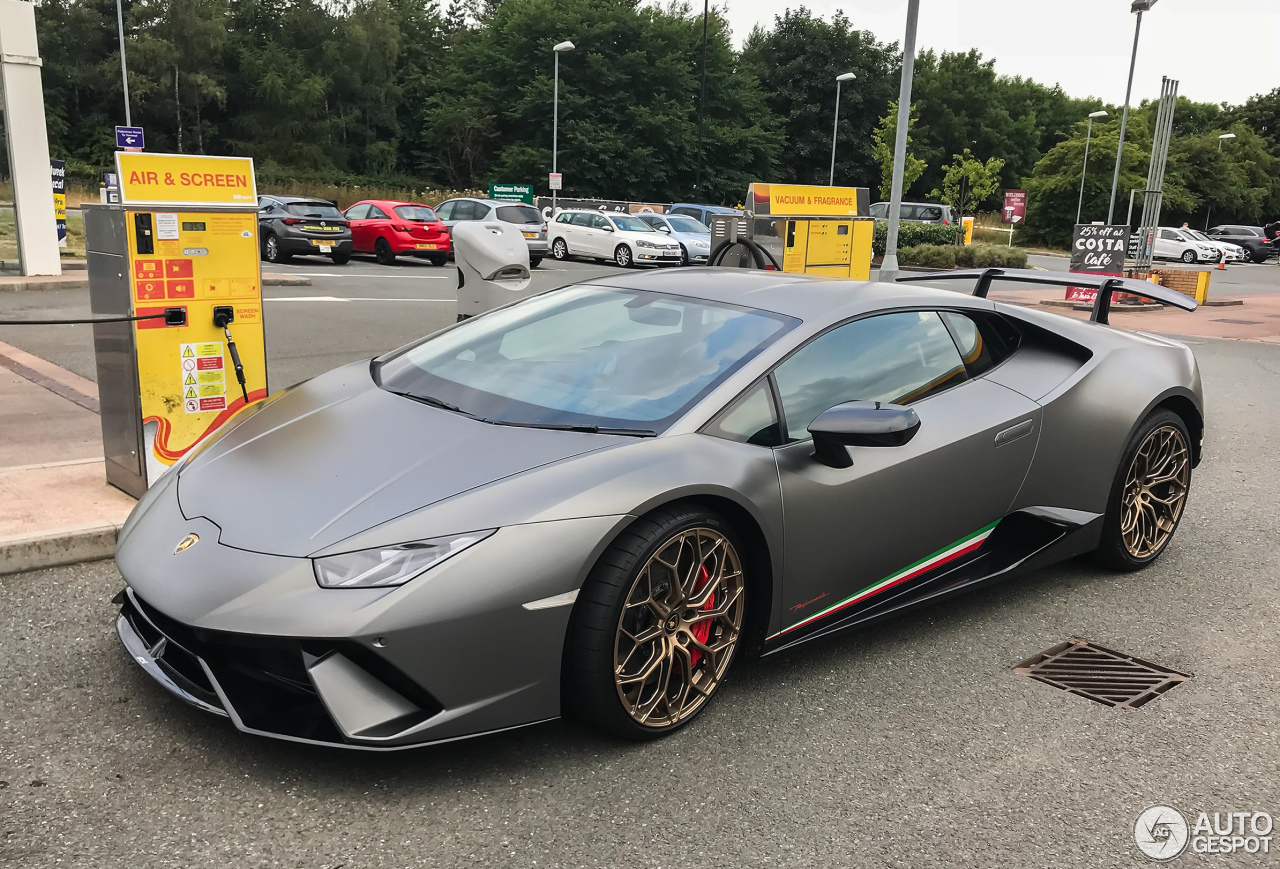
(912,744)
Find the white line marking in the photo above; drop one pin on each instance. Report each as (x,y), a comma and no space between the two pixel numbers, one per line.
(337,299)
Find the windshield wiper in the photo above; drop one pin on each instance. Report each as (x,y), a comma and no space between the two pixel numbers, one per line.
(429,400)
(589,428)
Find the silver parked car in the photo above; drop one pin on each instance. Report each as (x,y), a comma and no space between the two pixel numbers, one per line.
(916,212)
(694,236)
(575,504)
(526,217)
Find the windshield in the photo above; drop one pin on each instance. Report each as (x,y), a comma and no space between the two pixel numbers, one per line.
(688,224)
(416,212)
(314,209)
(1196,234)
(630,224)
(519,214)
(584,356)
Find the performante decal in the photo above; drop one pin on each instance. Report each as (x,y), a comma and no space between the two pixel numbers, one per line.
(948,553)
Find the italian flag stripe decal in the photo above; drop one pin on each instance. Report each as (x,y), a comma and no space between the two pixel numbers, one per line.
(942,556)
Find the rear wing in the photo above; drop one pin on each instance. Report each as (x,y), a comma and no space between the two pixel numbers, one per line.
(1104,284)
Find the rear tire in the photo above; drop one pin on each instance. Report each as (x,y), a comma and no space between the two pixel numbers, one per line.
(438,261)
(1149,494)
(382,250)
(535,261)
(341,259)
(648,646)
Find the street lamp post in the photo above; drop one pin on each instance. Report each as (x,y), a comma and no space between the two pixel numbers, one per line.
(555,115)
(1085,169)
(1139,6)
(889,268)
(848,76)
(1209,211)
(124,70)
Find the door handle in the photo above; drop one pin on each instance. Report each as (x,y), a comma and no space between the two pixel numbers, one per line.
(1014,432)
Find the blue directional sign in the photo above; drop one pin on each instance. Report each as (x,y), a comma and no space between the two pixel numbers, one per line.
(129,138)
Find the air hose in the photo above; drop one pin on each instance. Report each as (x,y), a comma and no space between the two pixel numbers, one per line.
(761,257)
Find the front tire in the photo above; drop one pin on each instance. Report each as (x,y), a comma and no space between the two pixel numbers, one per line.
(684,256)
(559,249)
(622,256)
(382,250)
(1149,495)
(271,250)
(1189,256)
(656,624)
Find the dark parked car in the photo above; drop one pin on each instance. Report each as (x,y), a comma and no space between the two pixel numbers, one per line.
(292,225)
(916,212)
(1251,238)
(701,212)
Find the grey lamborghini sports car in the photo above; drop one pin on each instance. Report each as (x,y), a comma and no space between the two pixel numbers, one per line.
(590,501)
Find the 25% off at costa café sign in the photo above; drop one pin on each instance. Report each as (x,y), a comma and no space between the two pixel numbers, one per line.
(1097,249)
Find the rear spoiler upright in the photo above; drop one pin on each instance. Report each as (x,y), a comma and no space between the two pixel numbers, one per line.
(1105,285)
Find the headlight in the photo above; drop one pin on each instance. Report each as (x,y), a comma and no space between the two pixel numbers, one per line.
(387,566)
(702,244)
(643,243)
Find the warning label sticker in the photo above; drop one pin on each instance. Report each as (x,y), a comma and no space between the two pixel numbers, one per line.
(204,385)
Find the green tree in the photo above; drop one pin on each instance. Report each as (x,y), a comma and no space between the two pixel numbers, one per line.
(968,183)
(797,62)
(883,138)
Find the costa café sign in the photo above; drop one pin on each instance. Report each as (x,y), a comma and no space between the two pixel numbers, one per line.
(1097,249)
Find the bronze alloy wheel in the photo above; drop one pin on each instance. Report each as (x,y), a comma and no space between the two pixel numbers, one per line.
(679,627)
(1155,491)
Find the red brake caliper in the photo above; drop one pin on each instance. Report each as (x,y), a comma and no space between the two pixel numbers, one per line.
(701,630)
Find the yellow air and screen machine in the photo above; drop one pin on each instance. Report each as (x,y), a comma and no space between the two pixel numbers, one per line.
(180,252)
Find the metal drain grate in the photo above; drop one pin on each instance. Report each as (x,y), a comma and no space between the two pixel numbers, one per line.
(1099,674)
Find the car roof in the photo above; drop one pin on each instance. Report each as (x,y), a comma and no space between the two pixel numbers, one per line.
(280,197)
(394,203)
(494,202)
(807,297)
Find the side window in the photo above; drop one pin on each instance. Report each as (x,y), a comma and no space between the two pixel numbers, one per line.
(581,218)
(880,210)
(598,222)
(358,212)
(1168,235)
(376,213)
(691,212)
(467,210)
(751,419)
(564,217)
(984,341)
(445,211)
(925,212)
(894,358)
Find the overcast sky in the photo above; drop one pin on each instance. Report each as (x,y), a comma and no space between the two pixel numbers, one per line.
(1220,50)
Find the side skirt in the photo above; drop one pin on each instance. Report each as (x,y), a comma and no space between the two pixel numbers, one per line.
(1021,542)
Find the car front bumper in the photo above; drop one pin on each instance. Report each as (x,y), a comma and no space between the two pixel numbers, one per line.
(453,653)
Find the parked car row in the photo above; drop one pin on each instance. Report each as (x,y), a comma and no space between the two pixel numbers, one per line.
(297,226)
(1192,246)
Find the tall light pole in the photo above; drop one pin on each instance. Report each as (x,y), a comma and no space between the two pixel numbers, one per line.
(555,115)
(848,76)
(702,95)
(124,70)
(1139,6)
(889,268)
(1085,169)
(1209,210)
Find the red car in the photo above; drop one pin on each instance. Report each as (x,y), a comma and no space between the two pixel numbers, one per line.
(388,229)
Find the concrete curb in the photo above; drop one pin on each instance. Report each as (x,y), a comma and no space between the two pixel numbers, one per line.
(77,283)
(19,554)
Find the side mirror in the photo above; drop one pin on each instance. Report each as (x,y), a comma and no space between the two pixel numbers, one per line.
(860,424)
(665,229)
(608,227)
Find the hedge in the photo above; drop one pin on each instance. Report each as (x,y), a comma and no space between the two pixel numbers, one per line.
(912,234)
(935,256)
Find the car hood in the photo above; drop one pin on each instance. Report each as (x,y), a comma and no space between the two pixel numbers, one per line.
(691,237)
(338,455)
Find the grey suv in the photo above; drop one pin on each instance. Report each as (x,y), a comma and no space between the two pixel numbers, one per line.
(1252,238)
(526,217)
(291,225)
(916,212)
